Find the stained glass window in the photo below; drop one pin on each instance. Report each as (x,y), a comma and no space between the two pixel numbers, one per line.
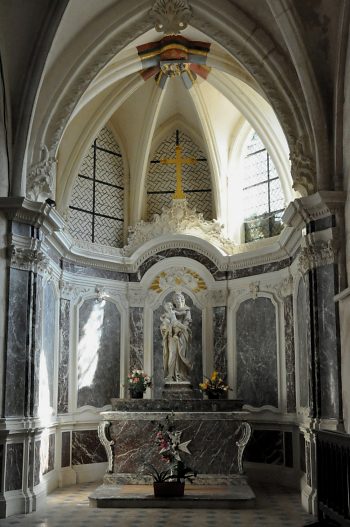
(262,192)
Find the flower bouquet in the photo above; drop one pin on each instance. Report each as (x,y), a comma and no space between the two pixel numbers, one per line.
(138,381)
(214,387)
(171,480)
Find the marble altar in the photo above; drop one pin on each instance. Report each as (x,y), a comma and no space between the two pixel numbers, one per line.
(218,430)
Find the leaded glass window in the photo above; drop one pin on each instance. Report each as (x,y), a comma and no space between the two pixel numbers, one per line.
(97,203)
(262,193)
(161,179)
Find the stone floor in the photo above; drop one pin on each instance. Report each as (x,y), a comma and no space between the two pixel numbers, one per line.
(275,506)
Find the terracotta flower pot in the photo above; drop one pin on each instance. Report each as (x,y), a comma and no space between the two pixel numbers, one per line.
(169,489)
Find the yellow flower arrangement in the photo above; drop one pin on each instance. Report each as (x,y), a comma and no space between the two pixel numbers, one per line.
(214,385)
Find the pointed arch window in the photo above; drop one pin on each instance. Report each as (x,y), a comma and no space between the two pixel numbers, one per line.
(262,193)
(97,203)
(161,179)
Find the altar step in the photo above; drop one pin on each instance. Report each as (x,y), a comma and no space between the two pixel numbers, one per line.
(196,496)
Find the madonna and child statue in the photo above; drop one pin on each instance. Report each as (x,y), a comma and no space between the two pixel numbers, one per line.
(176,332)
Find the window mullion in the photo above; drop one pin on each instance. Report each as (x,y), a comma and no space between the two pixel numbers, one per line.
(93,192)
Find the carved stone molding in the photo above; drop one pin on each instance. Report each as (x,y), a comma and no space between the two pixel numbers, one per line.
(28,259)
(72,292)
(42,177)
(246,431)
(284,288)
(96,247)
(303,169)
(310,448)
(136,297)
(102,428)
(170,16)
(254,288)
(179,218)
(101,293)
(177,278)
(315,255)
(219,297)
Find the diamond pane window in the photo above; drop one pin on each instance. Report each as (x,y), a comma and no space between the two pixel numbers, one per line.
(97,204)
(161,178)
(262,191)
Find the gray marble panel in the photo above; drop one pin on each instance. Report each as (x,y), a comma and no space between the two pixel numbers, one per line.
(220,340)
(51,453)
(47,356)
(196,348)
(44,456)
(187,253)
(260,269)
(65,453)
(94,271)
(257,352)
(288,449)
(289,352)
(16,360)
(1,466)
(63,358)
(23,229)
(265,446)
(176,405)
(37,472)
(98,353)
(54,255)
(303,323)
(38,313)
(321,224)
(212,445)
(14,466)
(87,448)
(136,337)
(327,341)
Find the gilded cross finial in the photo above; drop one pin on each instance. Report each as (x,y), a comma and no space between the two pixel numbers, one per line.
(179,161)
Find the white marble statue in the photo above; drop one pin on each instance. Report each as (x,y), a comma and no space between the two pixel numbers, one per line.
(175,328)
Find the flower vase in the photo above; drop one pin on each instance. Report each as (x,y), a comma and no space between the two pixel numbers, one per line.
(136,395)
(217,395)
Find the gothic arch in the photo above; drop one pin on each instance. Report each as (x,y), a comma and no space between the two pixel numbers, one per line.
(227,25)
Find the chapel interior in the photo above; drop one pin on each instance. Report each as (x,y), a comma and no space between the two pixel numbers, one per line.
(175,166)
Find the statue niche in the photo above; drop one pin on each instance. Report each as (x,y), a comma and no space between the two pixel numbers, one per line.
(176,334)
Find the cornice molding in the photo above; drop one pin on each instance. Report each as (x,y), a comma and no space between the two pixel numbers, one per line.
(56,237)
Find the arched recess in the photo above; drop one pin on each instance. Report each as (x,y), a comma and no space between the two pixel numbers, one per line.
(98,340)
(171,275)
(178,122)
(160,182)
(273,72)
(288,21)
(222,22)
(80,133)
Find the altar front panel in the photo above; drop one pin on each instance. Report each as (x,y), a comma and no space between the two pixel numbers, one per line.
(214,436)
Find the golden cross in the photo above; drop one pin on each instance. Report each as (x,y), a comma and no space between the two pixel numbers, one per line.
(179,161)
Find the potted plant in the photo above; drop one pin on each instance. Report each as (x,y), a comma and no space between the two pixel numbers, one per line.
(138,381)
(170,482)
(214,387)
